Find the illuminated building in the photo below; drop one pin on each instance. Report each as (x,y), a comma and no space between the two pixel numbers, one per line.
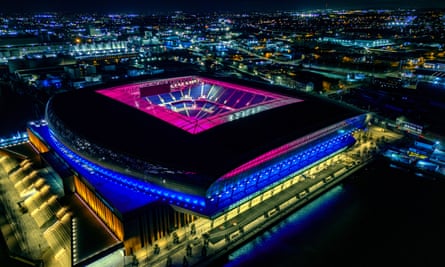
(357,42)
(152,157)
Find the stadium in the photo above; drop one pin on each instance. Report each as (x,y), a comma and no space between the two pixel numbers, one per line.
(152,157)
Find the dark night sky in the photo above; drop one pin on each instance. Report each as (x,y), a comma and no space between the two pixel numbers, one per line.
(149,6)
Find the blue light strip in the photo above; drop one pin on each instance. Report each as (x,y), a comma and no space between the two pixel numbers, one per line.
(279,172)
(92,171)
(230,194)
(13,140)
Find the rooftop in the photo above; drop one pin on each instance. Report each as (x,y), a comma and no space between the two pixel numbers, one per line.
(205,155)
(196,104)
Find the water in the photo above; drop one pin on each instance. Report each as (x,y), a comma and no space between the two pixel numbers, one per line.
(382,216)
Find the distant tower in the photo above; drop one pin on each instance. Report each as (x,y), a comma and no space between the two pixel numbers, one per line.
(326,5)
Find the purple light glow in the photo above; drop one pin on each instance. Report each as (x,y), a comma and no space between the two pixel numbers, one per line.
(274,153)
(196,104)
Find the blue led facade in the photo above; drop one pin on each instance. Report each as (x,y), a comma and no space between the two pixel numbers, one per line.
(227,193)
(256,183)
(92,172)
(222,194)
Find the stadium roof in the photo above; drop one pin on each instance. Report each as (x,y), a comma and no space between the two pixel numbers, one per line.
(196,104)
(210,153)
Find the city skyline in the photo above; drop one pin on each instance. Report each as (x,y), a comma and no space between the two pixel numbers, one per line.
(133,6)
(135,136)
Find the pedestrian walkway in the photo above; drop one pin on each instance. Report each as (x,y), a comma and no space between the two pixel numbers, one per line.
(24,237)
(33,230)
(199,249)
